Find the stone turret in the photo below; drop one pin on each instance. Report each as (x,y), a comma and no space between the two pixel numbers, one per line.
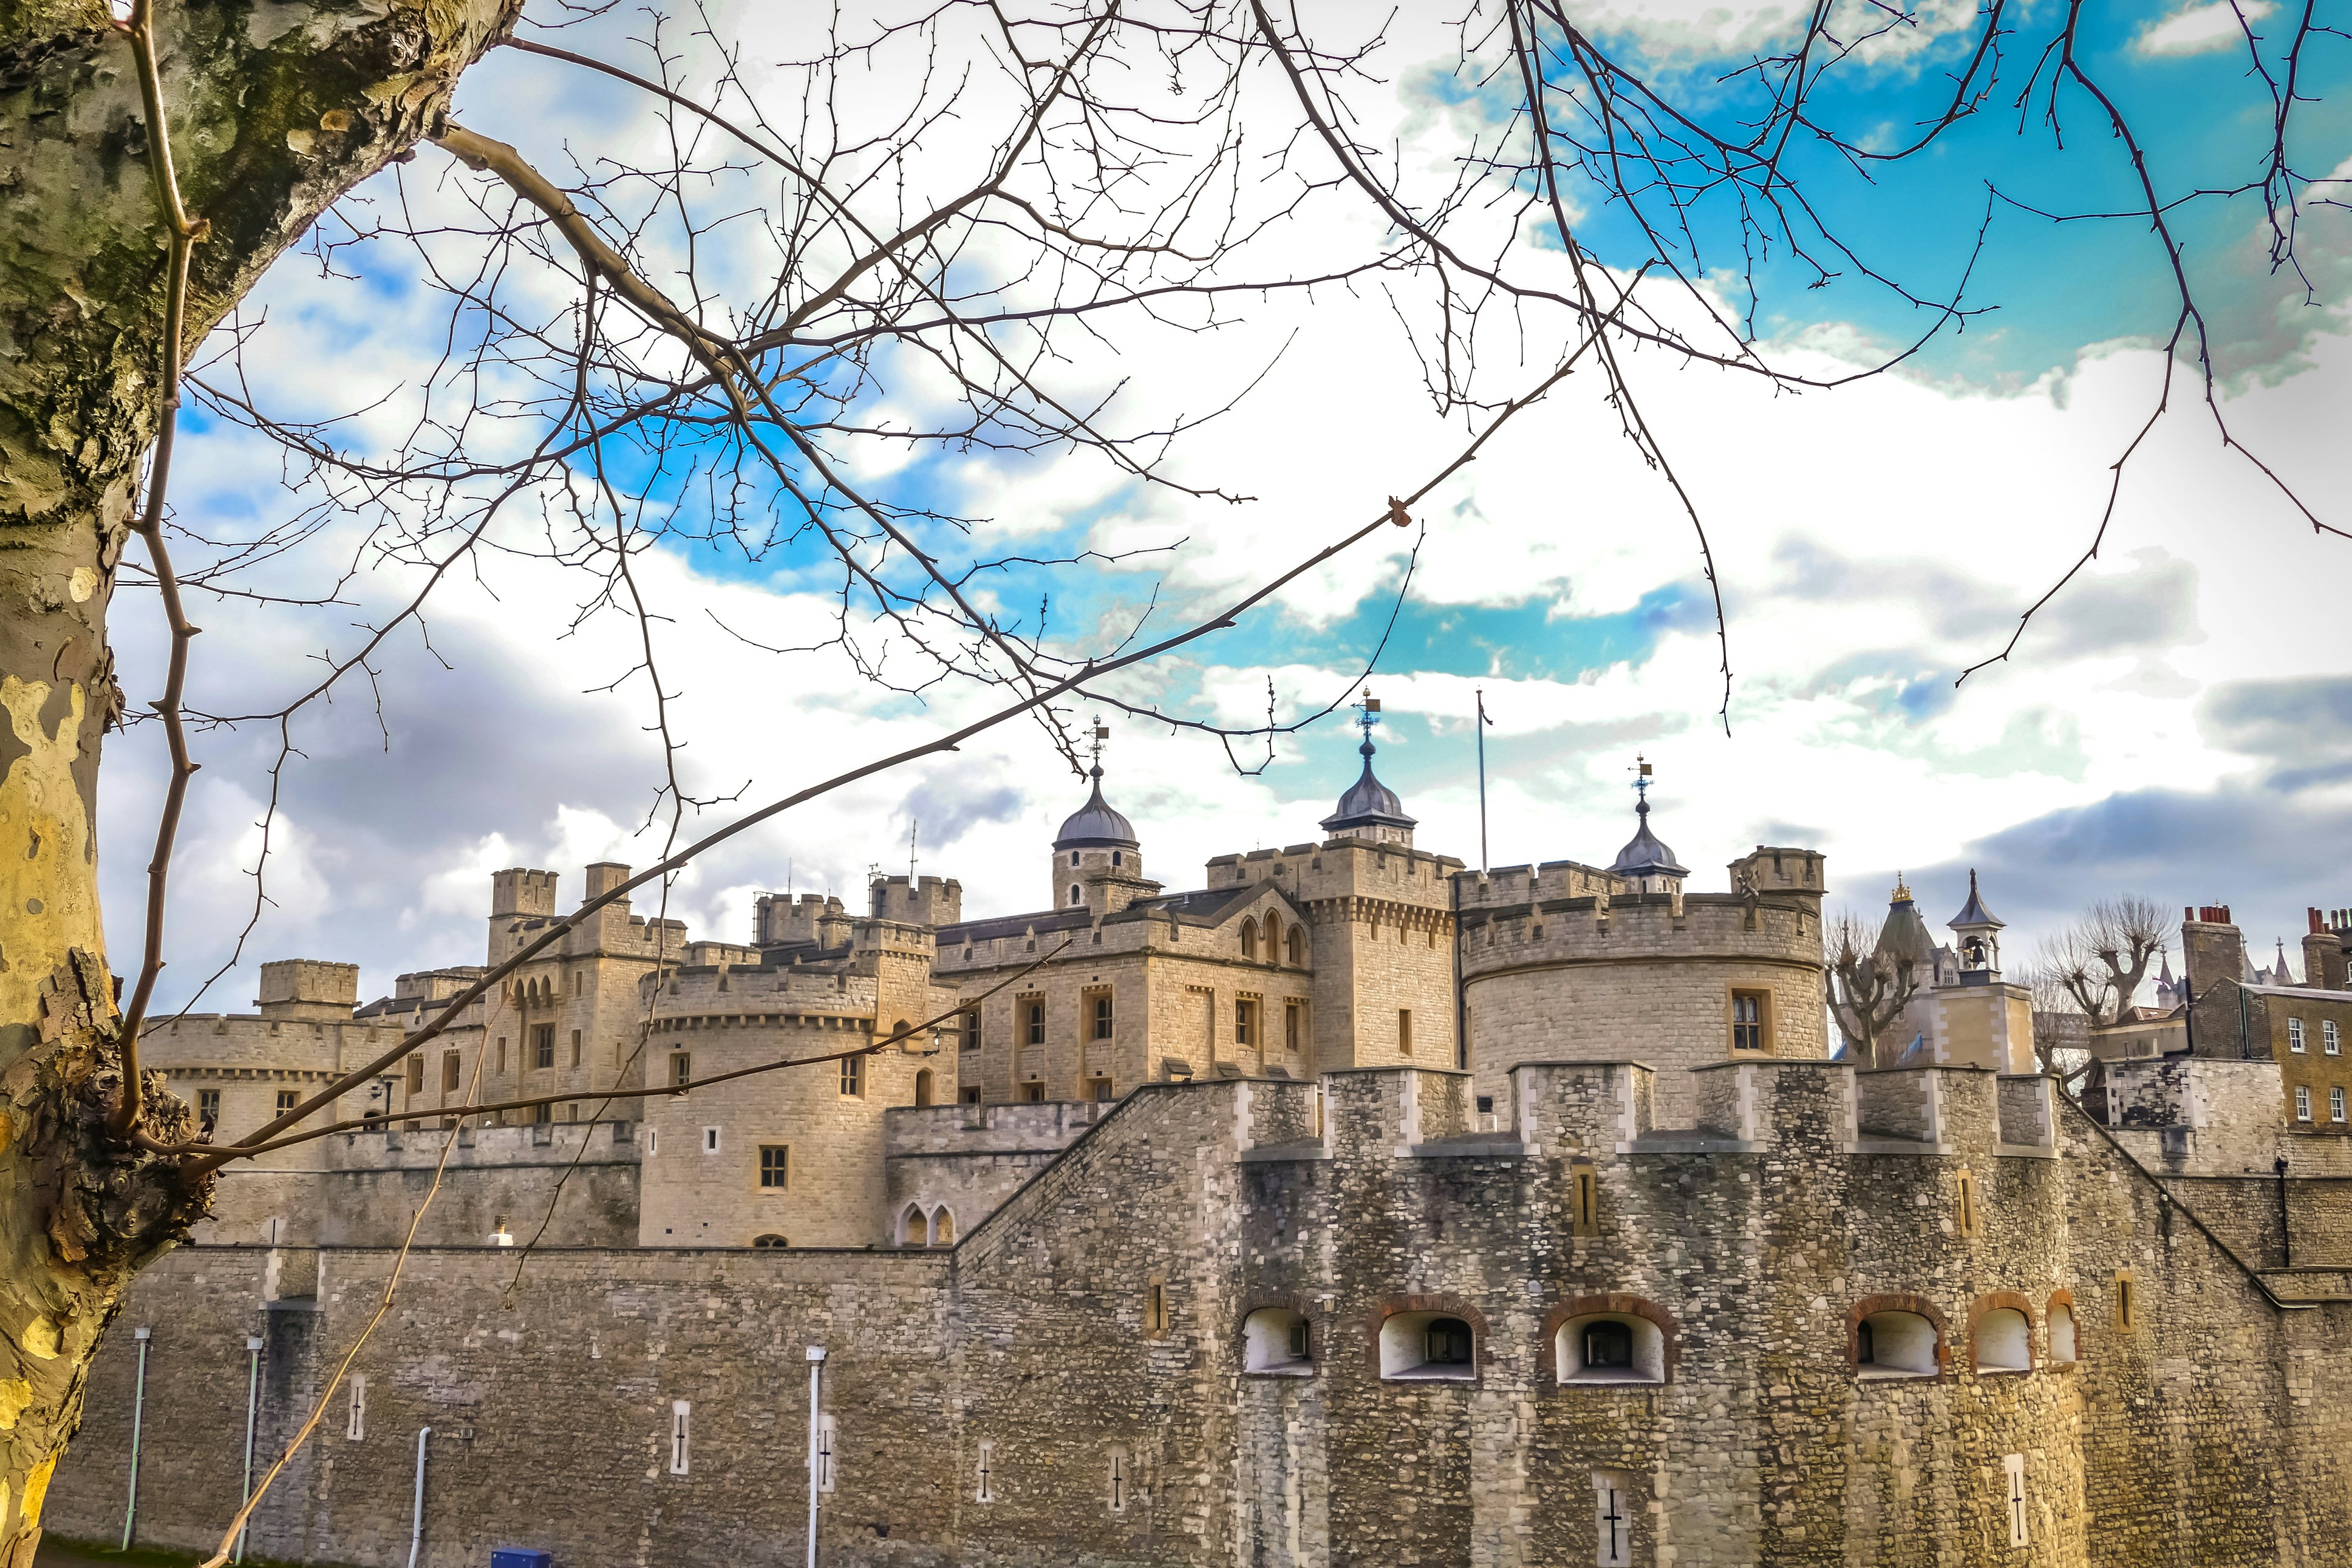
(520,892)
(929,901)
(1098,859)
(817,919)
(309,989)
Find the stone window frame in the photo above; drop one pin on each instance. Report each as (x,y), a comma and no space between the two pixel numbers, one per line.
(542,1047)
(1612,1303)
(1481,1351)
(1101,1005)
(681,1437)
(1299,1307)
(1296,1030)
(452,1072)
(2126,1303)
(578,1048)
(1767,1020)
(1993,1301)
(775,1159)
(681,1070)
(1249,1021)
(1967,1209)
(1899,1302)
(1029,1026)
(2061,1297)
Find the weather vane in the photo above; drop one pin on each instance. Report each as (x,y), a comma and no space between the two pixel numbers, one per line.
(1095,746)
(1368,713)
(1642,780)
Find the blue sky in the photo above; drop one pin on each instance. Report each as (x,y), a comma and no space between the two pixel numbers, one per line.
(2167,726)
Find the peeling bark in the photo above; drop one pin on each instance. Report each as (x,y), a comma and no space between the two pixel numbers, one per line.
(275,110)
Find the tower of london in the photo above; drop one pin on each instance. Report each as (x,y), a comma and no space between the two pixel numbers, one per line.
(1354,1205)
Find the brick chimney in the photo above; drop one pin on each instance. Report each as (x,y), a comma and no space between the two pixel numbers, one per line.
(2324,965)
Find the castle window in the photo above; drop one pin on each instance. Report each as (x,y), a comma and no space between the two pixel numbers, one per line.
(542,1045)
(2013,1470)
(825,1433)
(971,1031)
(2331,1039)
(415,1076)
(1076,895)
(2004,1341)
(1290,1025)
(987,1462)
(1427,1345)
(1245,1022)
(1155,1309)
(914,1229)
(2063,1351)
(1965,1196)
(575,1047)
(969,1096)
(209,1108)
(1404,1031)
(502,1053)
(1249,938)
(452,1068)
(679,1410)
(2336,1103)
(355,1423)
(943,1229)
(2303,1102)
(1584,1198)
(776,1167)
(540,1115)
(1118,857)
(1751,1014)
(681,1069)
(1100,1091)
(1102,1016)
(2126,1307)
(923,1086)
(1036,1011)
(1034,1092)
(853,1075)
(2294,1035)
(1277,1342)
(768,1238)
(711,1140)
(1119,1480)
(287,1098)
(1895,1343)
(1074,857)
(1296,944)
(1609,1347)
(1613,1523)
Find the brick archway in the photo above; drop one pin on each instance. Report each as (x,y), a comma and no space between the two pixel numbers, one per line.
(1994,1300)
(1547,1359)
(1899,1301)
(1452,1306)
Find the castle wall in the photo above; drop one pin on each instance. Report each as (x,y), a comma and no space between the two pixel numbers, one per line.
(1646,976)
(362,1189)
(1093,1328)
(967,1159)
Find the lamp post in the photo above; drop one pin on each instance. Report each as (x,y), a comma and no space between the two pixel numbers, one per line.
(816,1375)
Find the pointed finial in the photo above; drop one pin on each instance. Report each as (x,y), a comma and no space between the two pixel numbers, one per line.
(1642,781)
(1368,713)
(1102,733)
(1902,894)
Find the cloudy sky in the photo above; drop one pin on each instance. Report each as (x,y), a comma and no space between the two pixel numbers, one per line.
(2178,724)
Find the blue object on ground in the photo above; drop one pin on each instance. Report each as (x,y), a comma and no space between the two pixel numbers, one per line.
(520,1557)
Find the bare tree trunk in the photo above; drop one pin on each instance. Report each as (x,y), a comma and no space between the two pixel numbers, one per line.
(273,109)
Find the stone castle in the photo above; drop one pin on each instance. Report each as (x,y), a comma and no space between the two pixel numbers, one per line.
(1357,1207)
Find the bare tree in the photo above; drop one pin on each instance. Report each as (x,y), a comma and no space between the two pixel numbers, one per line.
(2062,1033)
(2100,962)
(1869,988)
(695,346)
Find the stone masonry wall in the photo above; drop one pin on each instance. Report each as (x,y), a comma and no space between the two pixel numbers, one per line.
(1085,1345)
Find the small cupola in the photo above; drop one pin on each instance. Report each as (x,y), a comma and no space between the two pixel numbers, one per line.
(1979,929)
(1646,863)
(1370,809)
(1097,847)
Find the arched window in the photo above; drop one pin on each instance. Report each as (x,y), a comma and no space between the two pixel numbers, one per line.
(1249,938)
(2004,1340)
(914,1230)
(1118,857)
(2063,1344)
(1609,1347)
(1273,939)
(1074,857)
(1278,1341)
(1077,897)
(1895,1343)
(923,1086)
(1297,944)
(943,1229)
(768,1238)
(1427,1345)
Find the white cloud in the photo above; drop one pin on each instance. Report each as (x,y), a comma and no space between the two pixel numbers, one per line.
(2194,29)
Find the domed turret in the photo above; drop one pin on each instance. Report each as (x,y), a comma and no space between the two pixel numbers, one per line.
(1370,809)
(1096,826)
(1646,861)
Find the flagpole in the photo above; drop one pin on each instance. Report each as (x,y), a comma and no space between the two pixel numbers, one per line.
(1481,728)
